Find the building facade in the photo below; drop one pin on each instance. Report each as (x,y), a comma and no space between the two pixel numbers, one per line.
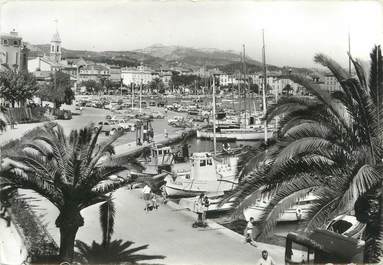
(114,73)
(138,75)
(94,72)
(12,51)
(330,83)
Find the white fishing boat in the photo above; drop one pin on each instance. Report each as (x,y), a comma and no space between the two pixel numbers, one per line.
(203,174)
(298,212)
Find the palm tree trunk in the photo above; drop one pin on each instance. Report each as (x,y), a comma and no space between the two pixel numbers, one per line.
(69,222)
(373,233)
(67,238)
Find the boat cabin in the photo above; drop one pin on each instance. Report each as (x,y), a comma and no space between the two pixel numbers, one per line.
(162,154)
(322,246)
(202,166)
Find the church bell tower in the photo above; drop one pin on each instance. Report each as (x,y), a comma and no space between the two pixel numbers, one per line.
(55,52)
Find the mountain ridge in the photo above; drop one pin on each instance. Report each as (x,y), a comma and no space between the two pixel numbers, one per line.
(163,56)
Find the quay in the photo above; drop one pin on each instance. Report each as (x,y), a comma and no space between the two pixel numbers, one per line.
(168,231)
(132,149)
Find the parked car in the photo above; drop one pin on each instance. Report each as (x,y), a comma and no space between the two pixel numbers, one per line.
(122,124)
(183,109)
(175,119)
(107,127)
(158,115)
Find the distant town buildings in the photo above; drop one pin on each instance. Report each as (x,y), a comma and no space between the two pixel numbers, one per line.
(44,65)
(14,55)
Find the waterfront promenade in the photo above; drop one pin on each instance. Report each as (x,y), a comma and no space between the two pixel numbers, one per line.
(168,231)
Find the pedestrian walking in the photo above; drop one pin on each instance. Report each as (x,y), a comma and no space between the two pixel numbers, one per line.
(146,193)
(266,259)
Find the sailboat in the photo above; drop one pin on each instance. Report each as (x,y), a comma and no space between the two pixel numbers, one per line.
(251,127)
(204,173)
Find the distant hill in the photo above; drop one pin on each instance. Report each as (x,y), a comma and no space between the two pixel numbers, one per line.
(162,56)
(194,57)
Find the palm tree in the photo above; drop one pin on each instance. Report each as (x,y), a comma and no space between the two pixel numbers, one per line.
(72,173)
(331,145)
(115,251)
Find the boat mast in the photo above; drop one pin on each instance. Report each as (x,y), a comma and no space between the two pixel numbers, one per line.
(142,73)
(239,83)
(214,129)
(132,85)
(264,81)
(232,90)
(349,53)
(244,79)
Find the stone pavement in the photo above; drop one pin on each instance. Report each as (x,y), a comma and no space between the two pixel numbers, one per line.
(168,231)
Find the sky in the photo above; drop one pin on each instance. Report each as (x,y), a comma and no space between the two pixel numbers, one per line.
(294,30)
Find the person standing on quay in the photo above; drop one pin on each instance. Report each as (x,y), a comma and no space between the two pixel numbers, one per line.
(146,194)
(249,232)
(266,259)
(206,205)
(198,206)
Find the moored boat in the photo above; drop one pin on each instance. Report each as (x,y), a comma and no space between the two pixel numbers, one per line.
(204,173)
(251,134)
(298,212)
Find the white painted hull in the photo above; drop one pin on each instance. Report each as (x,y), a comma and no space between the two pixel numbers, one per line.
(240,136)
(189,203)
(289,215)
(194,188)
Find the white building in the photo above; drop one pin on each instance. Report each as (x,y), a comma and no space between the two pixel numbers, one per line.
(93,72)
(330,83)
(11,50)
(166,76)
(224,80)
(138,75)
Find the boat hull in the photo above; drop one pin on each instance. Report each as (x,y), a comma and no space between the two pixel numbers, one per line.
(245,136)
(295,213)
(214,205)
(194,188)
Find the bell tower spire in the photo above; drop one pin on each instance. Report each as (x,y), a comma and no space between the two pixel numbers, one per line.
(55,52)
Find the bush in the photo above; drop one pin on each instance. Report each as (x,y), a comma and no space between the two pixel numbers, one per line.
(40,245)
(26,115)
